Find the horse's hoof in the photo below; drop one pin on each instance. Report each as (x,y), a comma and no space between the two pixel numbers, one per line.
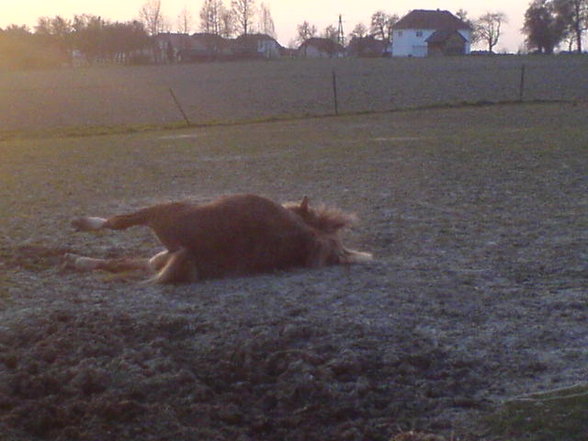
(87,223)
(77,262)
(68,260)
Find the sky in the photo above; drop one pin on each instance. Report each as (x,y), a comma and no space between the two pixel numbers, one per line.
(287,14)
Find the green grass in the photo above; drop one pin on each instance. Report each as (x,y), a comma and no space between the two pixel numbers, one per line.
(74,132)
(560,415)
(87,131)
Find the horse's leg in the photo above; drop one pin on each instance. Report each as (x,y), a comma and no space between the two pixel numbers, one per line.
(147,266)
(117,265)
(168,267)
(120,222)
(329,251)
(157,262)
(179,268)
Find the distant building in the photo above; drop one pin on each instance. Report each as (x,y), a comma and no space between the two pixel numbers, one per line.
(286,52)
(423,33)
(446,43)
(209,47)
(367,47)
(168,44)
(321,48)
(256,46)
(205,47)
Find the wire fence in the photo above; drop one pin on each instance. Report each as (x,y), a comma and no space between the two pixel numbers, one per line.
(245,91)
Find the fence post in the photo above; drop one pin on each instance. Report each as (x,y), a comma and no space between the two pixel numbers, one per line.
(171,92)
(335,100)
(522,84)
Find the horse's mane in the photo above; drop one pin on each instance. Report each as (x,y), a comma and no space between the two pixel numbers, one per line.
(323,218)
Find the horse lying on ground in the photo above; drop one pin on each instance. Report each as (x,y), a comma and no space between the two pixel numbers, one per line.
(232,236)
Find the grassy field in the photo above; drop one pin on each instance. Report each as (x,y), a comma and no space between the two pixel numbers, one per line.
(220,92)
(477,217)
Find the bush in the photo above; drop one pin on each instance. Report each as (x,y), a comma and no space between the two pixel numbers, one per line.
(28,53)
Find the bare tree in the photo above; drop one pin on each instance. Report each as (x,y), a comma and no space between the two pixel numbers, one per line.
(305,31)
(43,26)
(89,36)
(57,26)
(227,23)
(489,28)
(17,31)
(243,14)
(359,31)
(266,22)
(57,30)
(330,32)
(575,16)
(381,25)
(151,17)
(211,16)
(185,21)
(462,14)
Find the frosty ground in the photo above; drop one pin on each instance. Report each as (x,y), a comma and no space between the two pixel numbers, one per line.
(477,217)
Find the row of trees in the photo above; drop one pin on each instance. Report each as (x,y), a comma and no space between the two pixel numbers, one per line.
(242,18)
(380,28)
(239,17)
(549,23)
(93,36)
(54,40)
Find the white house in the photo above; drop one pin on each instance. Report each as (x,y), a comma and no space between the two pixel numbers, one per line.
(423,33)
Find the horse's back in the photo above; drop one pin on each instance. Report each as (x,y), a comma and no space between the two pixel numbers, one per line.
(238,234)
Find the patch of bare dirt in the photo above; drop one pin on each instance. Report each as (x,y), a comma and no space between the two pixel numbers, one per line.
(88,373)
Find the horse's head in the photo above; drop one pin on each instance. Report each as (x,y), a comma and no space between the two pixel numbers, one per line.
(322,218)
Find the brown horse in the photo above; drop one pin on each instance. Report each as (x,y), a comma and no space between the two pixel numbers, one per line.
(232,236)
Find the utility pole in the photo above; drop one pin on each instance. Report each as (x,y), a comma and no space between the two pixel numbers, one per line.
(340,33)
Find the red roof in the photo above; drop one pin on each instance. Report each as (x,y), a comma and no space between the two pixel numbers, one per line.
(426,19)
